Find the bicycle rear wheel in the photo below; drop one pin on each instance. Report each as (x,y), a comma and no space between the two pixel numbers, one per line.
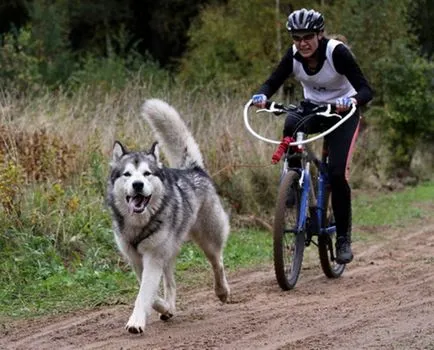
(288,244)
(327,244)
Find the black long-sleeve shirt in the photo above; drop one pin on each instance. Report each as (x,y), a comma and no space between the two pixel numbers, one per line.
(343,61)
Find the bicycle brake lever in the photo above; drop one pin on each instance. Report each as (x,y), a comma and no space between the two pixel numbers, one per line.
(327,112)
(271,109)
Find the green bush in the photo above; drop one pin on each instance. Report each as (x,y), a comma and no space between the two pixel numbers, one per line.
(38,54)
(235,46)
(407,82)
(114,72)
(19,67)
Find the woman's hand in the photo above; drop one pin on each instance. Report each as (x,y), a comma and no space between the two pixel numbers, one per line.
(344,104)
(259,100)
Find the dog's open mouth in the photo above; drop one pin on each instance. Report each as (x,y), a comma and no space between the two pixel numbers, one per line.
(137,203)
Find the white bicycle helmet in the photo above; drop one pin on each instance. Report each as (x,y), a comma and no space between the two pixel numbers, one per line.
(305,20)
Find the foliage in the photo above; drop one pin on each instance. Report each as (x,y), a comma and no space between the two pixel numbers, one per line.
(11,183)
(20,68)
(114,72)
(387,51)
(371,28)
(394,208)
(83,27)
(40,277)
(407,83)
(40,155)
(63,101)
(422,26)
(49,31)
(233,46)
(106,73)
(38,53)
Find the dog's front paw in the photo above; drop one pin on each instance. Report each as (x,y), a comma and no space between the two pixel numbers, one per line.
(135,325)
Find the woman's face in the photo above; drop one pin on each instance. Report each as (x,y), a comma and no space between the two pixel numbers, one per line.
(306,43)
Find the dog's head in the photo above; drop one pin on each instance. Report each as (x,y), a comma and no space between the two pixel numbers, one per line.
(134,178)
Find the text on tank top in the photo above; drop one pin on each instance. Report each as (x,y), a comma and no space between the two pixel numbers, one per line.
(327,85)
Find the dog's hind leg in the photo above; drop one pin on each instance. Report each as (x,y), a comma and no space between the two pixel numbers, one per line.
(166,307)
(169,284)
(221,285)
(212,242)
(151,275)
(162,307)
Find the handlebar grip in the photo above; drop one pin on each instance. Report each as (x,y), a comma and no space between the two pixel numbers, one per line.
(322,107)
(276,105)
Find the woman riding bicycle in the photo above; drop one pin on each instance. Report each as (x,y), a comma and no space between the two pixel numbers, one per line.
(328,73)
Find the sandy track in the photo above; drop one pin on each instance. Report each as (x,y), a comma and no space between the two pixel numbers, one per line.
(384,300)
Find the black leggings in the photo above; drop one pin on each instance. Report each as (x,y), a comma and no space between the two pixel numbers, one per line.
(340,147)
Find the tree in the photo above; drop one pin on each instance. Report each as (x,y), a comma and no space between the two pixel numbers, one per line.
(421,14)
(235,45)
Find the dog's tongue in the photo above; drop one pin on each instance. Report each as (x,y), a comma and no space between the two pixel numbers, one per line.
(135,203)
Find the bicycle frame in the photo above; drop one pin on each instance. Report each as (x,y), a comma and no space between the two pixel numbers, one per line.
(307,192)
(311,202)
(305,185)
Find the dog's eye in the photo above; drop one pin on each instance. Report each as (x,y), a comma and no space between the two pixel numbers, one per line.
(127,174)
(146,173)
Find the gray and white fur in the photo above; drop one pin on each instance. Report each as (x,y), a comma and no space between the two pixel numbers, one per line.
(156,208)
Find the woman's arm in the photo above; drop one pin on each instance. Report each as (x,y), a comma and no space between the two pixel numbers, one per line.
(279,75)
(346,64)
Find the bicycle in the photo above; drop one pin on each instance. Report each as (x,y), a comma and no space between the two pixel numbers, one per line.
(303,209)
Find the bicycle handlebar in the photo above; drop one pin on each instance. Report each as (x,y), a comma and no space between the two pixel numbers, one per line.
(276,108)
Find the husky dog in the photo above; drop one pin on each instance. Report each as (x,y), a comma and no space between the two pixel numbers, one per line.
(155,208)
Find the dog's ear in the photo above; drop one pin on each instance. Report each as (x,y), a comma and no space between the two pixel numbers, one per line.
(155,151)
(118,151)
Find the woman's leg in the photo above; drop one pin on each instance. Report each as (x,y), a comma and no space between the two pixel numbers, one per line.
(294,122)
(341,145)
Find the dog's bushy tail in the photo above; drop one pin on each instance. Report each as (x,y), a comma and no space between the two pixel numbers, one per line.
(172,134)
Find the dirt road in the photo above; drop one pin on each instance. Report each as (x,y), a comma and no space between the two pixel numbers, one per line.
(384,300)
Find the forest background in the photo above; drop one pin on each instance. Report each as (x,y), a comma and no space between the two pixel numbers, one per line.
(73,74)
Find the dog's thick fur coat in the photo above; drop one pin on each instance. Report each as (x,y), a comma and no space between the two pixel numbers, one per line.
(156,208)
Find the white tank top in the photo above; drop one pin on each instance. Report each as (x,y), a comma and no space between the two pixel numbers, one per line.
(327,85)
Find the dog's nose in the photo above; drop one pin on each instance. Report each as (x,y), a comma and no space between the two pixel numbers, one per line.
(138,186)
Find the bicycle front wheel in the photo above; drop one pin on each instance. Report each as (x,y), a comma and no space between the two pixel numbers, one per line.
(327,243)
(288,243)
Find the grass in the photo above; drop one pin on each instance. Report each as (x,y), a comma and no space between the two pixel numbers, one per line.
(245,248)
(38,283)
(396,208)
(35,280)
(57,251)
